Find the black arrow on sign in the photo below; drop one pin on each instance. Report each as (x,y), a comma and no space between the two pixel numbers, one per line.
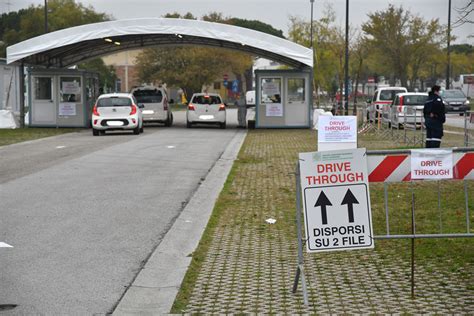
(323,201)
(350,199)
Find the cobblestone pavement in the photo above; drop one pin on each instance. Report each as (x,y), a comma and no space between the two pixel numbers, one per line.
(250,265)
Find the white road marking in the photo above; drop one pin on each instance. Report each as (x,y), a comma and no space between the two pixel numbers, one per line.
(5,245)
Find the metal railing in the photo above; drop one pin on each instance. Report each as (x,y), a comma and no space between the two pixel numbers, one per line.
(413,234)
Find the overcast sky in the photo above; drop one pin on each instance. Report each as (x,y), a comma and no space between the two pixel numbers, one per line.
(273,12)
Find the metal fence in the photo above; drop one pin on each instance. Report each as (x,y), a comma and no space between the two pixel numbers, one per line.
(465,176)
(405,127)
(469,129)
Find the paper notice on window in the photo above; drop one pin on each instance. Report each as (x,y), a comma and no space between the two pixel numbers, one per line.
(71,87)
(67,109)
(273,109)
(271,88)
(431,164)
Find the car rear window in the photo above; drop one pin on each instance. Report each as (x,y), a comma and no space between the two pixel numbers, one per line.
(114,101)
(453,94)
(414,99)
(148,96)
(206,99)
(389,95)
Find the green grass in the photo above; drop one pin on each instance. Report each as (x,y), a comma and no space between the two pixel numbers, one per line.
(261,183)
(12,136)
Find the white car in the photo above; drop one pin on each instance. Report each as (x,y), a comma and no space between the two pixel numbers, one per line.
(206,108)
(117,111)
(156,104)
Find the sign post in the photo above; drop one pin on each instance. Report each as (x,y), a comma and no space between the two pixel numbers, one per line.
(332,191)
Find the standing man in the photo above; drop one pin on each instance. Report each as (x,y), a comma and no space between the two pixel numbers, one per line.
(435,116)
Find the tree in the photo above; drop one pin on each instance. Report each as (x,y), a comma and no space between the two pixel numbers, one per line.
(329,46)
(403,42)
(28,23)
(107,76)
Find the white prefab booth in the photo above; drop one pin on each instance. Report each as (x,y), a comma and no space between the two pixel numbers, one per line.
(61,97)
(283,99)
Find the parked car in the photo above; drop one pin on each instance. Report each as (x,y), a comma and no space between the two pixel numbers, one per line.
(455,101)
(408,108)
(206,108)
(382,97)
(117,111)
(155,100)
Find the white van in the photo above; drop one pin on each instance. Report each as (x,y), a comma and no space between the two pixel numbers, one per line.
(250,98)
(155,100)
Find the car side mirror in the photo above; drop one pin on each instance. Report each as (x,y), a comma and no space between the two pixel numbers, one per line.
(171,101)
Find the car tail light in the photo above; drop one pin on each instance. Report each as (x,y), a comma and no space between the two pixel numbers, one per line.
(222,107)
(165,106)
(400,108)
(95,122)
(134,121)
(94,111)
(191,107)
(134,109)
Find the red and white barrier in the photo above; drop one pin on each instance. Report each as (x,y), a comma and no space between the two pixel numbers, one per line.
(397,168)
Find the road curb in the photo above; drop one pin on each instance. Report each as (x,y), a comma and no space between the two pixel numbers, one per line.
(158,283)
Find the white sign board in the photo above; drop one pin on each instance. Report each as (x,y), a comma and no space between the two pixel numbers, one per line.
(71,87)
(337,132)
(431,164)
(273,109)
(271,88)
(67,109)
(336,200)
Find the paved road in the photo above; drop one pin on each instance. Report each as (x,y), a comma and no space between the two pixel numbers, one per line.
(456,120)
(84,218)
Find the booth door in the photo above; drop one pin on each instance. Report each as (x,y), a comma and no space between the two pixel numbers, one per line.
(297,112)
(43,107)
(70,105)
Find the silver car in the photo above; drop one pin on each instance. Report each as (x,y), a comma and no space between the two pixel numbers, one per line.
(407,108)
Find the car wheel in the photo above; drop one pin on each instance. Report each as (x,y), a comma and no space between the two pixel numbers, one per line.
(102,132)
(95,132)
(141,129)
(222,125)
(136,130)
(461,114)
(188,124)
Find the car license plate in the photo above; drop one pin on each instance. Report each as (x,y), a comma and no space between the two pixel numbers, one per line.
(148,112)
(206,117)
(115,123)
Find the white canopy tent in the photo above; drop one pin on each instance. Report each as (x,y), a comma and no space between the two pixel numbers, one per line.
(70,46)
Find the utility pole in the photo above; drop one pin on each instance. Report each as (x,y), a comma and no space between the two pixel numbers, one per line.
(448,66)
(45,16)
(346,66)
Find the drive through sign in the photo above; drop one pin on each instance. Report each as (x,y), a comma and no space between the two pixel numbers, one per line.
(336,200)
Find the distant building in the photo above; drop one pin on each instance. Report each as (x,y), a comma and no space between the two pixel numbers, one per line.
(125,69)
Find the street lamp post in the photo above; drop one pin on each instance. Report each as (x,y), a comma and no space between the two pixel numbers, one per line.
(311,27)
(346,66)
(448,66)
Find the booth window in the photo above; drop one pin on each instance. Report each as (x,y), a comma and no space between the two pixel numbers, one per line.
(296,89)
(43,88)
(271,90)
(70,89)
